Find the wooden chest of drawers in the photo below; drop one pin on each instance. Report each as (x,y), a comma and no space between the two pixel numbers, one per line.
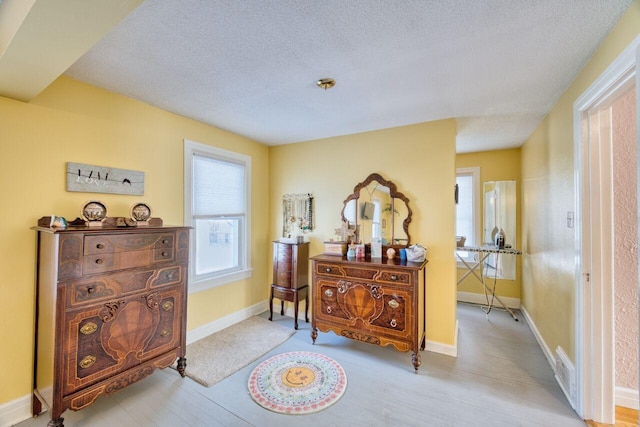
(111,307)
(380,301)
(290,277)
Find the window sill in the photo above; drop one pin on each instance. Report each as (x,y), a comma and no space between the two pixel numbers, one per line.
(208,283)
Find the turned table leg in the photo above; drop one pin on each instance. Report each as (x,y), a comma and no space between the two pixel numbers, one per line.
(182,364)
(416,360)
(56,422)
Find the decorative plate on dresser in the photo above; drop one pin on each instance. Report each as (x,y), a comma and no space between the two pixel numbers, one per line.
(110,309)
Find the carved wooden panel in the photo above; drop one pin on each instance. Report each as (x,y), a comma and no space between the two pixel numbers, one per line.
(121,333)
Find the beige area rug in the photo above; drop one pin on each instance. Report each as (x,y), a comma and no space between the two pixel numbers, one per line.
(212,359)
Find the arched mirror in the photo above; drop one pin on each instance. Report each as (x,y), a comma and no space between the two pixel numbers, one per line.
(377,209)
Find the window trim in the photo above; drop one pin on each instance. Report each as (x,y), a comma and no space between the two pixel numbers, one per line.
(474,172)
(208,281)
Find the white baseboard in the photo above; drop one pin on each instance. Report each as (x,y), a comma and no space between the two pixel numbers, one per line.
(627,398)
(482,299)
(568,390)
(217,325)
(15,411)
(446,349)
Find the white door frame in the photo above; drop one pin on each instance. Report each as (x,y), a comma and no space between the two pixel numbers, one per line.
(594,323)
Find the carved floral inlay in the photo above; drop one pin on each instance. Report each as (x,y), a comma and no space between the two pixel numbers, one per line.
(132,328)
(153,300)
(360,300)
(110,309)
(123,382)
(360,337)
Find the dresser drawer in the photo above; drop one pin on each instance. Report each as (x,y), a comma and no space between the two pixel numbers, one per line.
(384,309)
(119,260)
(332,270)
(99,288)
(120,333)
(108,243)
(377,274)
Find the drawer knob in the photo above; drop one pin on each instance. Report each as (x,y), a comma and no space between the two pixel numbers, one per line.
(100,246)
(393,323)
(394,277)
(87,362)
(327,270)
(89,328)
(99,261)
(167,306)
(165,253)
(394,304)
(90,289)
(328,293)
(165,332)
(165,241)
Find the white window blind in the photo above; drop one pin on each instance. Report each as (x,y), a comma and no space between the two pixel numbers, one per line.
(218,187)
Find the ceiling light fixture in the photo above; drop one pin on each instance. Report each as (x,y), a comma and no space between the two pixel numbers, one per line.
(326,83)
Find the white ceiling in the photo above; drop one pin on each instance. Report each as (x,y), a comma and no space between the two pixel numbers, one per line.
(250,66)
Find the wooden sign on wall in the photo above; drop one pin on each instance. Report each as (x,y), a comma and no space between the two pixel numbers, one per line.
(100,179)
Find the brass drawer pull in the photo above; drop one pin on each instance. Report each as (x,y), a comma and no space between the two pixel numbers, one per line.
(329,309)
(394,277)
(165,241)
(167,306)
(90,289)
(393,323)
(165,332)
(394,304)
(327,270)
(328,293)
(165,253)
(89,328)
(99,261)
(87,362)
(100,246)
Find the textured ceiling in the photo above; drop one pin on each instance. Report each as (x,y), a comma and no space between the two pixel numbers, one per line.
(250,66)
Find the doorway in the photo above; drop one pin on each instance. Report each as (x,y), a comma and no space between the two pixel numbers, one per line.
(603,117)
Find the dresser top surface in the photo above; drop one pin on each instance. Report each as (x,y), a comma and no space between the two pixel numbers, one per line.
(371,262)
(109,229)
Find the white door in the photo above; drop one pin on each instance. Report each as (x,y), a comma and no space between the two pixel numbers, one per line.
(594,238)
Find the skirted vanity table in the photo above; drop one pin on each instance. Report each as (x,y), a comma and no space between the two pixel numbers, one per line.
(379,300)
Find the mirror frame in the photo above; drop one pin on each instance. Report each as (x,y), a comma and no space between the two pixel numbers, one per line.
(393,193)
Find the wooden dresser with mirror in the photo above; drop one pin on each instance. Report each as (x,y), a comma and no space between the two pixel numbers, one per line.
(379,301)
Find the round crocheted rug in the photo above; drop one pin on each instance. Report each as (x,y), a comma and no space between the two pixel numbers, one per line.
(298,382)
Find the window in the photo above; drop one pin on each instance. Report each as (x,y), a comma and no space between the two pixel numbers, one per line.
(468,208)
(217,194)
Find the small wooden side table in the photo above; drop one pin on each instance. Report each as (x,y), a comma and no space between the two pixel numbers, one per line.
(291,295)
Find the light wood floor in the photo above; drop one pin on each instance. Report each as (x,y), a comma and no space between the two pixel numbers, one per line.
(625,417)
(500,378)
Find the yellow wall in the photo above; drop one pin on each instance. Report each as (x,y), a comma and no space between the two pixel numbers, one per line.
(498,165)
(72,121)
(548,193)
(419,159)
